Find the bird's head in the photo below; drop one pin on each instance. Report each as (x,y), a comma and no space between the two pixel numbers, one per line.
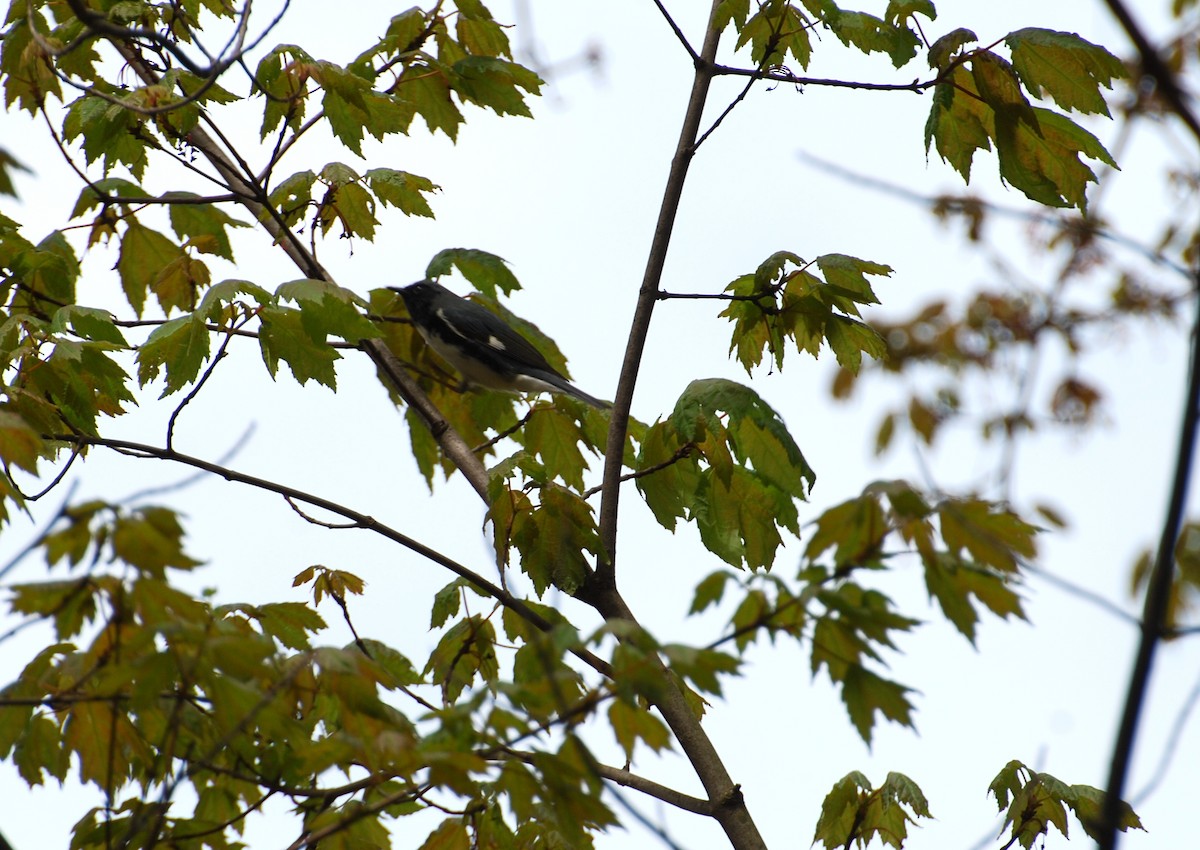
(420,297)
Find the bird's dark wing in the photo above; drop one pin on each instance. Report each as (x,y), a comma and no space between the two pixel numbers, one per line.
(482,331)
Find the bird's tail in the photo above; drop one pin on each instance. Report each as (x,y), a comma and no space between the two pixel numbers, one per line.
(572,390)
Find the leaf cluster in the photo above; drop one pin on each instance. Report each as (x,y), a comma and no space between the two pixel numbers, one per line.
(983,99)
(855,813)
(1032,802)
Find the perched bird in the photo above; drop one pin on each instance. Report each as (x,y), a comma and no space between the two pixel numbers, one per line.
(480,345)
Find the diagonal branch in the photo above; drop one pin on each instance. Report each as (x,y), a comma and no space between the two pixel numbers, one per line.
(361,520)
(687,45)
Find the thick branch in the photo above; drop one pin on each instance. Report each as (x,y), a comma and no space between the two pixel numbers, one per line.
(647,296)
(725,798)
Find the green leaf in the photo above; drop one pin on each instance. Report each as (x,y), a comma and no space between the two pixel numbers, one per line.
(1039,800)
(731,12)
(486,272)
(403,190)
(204,224)
(284,336)
(632,724)
(700,666)
(328,309)
(898,11)
(466,652)
(1043,161)
(849,338)
(866,694)
(151,540)
(20,445)
(88,322)
(757,434)
(945,49)
(958,124)
(847,277)
(992,535)
(481,35)
(670,490)
(565,529)
(451,834)
(293,196)
(776,30)
(869,34)
(346,202)
(709,591)
(344,103)
(215,305)
(1064,67)
(854,813)
(24,66)
(181,345)
(953,582)
(145,255)
(446,603)
(494,83)
(40,751)
(773,305)
(427,90)
(855,529)
(94,195)
(290,623)
(739,520)
(281,78)
(108,129)
(554,437)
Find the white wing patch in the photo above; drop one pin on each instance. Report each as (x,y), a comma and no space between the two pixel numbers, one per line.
(441,314)
(496,343)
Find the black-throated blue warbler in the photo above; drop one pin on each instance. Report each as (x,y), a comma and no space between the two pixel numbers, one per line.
(480,345)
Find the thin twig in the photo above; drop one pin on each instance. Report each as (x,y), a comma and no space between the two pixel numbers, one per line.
(680,454)
(142,450)
(40,493)
(678,32)
(487,444)
(199,385)
(785,76)
(336,526)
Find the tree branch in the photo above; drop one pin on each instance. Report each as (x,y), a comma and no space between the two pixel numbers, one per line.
(647,296)
(786,76)
(678,32)
(668,795)
(728,806)
(1158,588)
(363,521)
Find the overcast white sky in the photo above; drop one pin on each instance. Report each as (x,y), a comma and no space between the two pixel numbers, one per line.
(570,200)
